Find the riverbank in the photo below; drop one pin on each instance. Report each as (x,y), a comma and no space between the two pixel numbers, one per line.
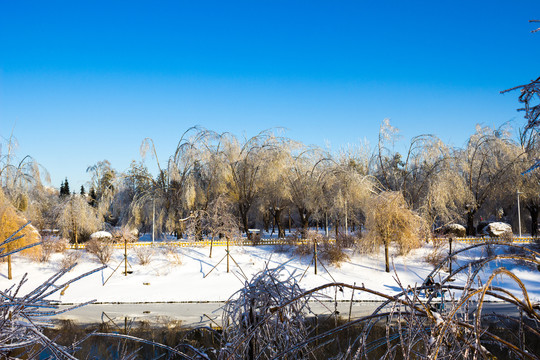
(179,275)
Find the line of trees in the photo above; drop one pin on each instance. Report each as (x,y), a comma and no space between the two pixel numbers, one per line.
(272,182)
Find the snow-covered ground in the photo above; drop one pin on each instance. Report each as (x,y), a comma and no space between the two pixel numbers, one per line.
(179,275)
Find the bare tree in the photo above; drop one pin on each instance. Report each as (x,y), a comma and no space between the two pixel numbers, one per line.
(103,179)
(529,97)
(189,182)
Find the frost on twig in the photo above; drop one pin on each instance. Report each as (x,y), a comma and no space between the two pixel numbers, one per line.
(268,318)
(22,316)
(260,321)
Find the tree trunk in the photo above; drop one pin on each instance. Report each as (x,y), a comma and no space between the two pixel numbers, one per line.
(198,228)
(76,237)
(277,220)
(289,221)
(10,277)
(305,227)
(325,224)
(534,211)
(386,257)
(266,221)
(243,214)
(304,219)
(471,231)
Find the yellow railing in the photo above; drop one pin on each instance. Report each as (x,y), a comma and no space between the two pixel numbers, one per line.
(245,242)
(515,239)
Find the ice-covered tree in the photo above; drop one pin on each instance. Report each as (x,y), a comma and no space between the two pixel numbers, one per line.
(305,178)
(417,172)
(389,219)
(76,217)
(346,184)
(12,220)
(486,165)
(246,164)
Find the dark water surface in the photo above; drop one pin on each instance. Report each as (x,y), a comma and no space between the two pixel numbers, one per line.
(197,324)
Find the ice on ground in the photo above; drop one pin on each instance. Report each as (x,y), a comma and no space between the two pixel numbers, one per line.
(190,275)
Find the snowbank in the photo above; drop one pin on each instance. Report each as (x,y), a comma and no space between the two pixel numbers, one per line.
(178,275)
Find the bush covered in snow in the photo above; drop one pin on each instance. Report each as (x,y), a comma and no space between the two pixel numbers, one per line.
(102,249)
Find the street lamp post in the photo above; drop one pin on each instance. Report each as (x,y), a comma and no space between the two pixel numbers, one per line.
(153,218)
(519,212)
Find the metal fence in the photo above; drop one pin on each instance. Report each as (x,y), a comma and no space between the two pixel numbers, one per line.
(246,242)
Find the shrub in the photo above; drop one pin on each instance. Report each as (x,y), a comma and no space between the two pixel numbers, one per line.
(347,241)
(330,251)
(144,254)
(103,250)
(306,246)
(283,248)
(70,259)
(52,244)
(333,253)
(125,233)
(439,252)
(173,254)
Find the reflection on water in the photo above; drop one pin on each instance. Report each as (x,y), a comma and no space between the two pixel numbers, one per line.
(172,332)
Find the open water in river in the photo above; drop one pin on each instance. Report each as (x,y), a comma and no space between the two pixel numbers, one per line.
(197,324)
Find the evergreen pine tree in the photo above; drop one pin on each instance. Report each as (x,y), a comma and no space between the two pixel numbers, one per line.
(66,187)
(82,190)
(92,195)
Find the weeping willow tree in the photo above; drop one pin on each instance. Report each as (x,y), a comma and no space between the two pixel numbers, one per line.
(390,220)
(19,178)
(247,163)
(12,220)
(305,179)
(189,182)
(274,195)
(487,165)
(346,185)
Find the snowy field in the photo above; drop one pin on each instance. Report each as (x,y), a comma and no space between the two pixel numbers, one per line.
(178,275)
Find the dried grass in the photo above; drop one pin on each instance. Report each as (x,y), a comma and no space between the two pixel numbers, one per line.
(439,252)
(144,254)
(174,254)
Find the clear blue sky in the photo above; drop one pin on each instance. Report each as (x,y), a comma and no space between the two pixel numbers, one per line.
(82,82)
